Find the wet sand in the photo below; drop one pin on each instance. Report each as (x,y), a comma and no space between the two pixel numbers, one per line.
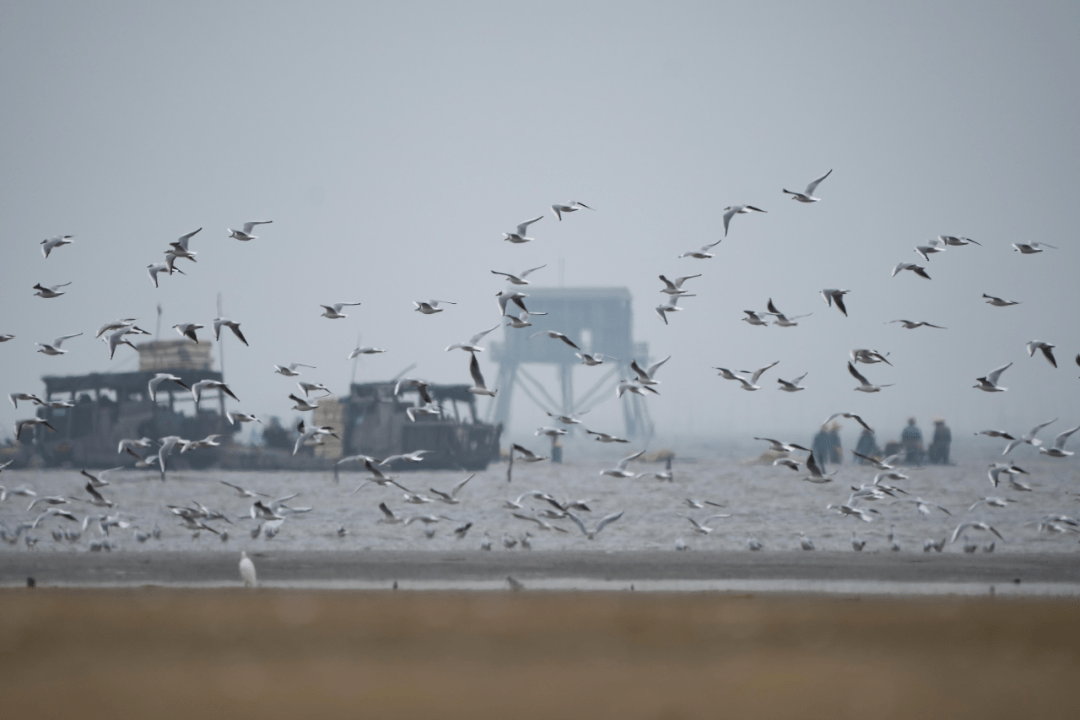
(316,568)
(207,653)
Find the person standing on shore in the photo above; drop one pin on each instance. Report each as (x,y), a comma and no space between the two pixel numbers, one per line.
(911,439)
(867,446)
(938,453)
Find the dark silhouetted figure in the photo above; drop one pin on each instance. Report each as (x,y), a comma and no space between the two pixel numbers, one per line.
(911,439)
(938,452)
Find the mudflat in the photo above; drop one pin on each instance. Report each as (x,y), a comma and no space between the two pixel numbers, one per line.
(232,652)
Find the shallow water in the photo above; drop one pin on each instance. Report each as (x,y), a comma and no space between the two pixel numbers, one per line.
(766,502)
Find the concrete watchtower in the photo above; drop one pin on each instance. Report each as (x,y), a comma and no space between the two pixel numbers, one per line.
(598,320)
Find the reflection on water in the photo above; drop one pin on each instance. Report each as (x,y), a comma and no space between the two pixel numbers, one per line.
(766,502)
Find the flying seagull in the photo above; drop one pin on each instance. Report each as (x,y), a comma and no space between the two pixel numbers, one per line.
(518,236)
(245,234)
(807,196)
(733,210)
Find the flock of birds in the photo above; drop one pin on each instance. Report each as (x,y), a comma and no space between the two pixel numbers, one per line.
(539,508)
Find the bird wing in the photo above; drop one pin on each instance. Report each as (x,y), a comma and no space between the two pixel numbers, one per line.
(474,370)
(813,185)
(626,460)
(656,366)
(994,375)
(608,520)
(757,373)
(480,335)
(855,374)
(249,226)
(1059,441)
(523,227)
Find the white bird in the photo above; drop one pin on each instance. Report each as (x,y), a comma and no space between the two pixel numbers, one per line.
(989,383)
(102,478)
(153,270)
(232,325)
(159,378)
(754,544)
(934,246)
(754,317)
(672,305)
(998,302)
(528,455)
(364,351)
(733,210)
(956,241)
(787,462)
(54,348)
(781,319)
(302,404)
(197,389)
(998,502)
(911,324)
(450,498)
(313,436)
(1029,438)
(782,447)
(290,370)
(167,445)
(521,321)
(591,534)
(247,571)
(752,385)
(851,511)
(645,377)
(550,432)
(188,330)
(865,385)
(1032,247)
(431,306)
(518,236)
(572,206)
(816,475)
(605,438)
(793,385)
(868,357)
(1058,450)
(630,386)
(593,359)
(52,291)
(518,298)
(334,311)
(702,253)
(21,425)
(998,469)
(674,287)
(415,456)
(567,419)
(924,506)
(556,336)
(703,526)
(851,416)
(620,471)
(179,248)
(805,543)
(244,492)
(807,196)
(700,504)
(833,295)
(1045,348)
(389,518)
(973,526)
(470,345)
(519,279)
(245,234)
(50,244)
(478,388)
(308,388)
(28,397)
(917,269)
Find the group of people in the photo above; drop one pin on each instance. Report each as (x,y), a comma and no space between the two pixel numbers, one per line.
(827,450)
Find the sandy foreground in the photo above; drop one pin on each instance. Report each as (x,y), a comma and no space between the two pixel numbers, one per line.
(151,647)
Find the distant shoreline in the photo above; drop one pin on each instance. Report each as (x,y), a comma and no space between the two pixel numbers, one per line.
(1057,573)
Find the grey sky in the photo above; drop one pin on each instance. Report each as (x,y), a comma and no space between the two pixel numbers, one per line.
(392,144)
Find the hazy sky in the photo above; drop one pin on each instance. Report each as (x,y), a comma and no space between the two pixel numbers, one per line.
(393,143)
